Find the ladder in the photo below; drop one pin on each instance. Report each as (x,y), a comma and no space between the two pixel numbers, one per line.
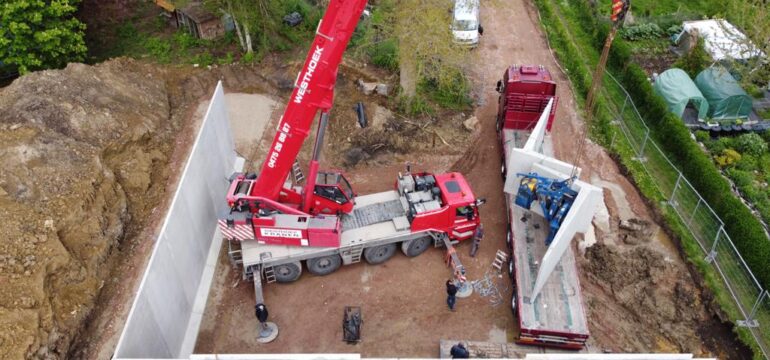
(296,171)
(355,252)
(267,269)
(234,253)
(500,258)
(438,240)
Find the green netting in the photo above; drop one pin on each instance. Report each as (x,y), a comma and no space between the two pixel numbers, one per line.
(727,100)
(675,86)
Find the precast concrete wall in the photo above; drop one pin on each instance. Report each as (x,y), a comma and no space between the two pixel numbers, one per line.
(165,315)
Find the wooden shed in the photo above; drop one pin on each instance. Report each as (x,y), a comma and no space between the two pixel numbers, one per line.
(199,22)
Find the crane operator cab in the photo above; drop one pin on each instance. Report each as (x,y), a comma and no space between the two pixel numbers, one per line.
(332,194)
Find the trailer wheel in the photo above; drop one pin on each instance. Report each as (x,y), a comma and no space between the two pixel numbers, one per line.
(324,265)
(509,239)
(286,273)
(514,304)
(510,267)
(379,254)
(414,247)
(503,170)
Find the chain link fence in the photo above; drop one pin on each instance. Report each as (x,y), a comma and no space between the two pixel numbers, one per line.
(751,300)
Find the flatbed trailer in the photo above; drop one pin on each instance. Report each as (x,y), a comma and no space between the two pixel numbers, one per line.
(557,316)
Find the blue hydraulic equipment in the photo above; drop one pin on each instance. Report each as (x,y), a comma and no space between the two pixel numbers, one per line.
(555,197)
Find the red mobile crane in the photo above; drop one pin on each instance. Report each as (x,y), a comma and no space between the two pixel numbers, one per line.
(274,223)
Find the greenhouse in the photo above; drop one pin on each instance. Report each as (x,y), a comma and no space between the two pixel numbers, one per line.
(679,91)
(726,98)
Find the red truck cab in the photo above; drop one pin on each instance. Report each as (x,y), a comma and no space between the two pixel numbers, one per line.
(524,94)
(454,210)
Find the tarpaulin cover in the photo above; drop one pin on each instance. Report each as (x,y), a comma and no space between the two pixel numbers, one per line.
(676,87)
(722,40)
(727,100)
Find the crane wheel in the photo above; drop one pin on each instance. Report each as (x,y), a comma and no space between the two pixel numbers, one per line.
(414,247)
(324,265)
(286,273)
(379,254)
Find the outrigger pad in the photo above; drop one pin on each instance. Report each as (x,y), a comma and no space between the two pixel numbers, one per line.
(351,324)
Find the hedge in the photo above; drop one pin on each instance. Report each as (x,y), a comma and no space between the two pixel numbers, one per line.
(746,232)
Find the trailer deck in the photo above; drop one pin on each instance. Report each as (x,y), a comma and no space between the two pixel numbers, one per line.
(558,310)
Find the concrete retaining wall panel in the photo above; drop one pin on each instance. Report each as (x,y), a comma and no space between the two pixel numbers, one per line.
(160,318)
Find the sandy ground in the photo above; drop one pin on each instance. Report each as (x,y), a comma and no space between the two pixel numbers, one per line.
(249,115)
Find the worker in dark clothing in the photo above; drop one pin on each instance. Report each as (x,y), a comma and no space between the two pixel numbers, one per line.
(459,351)
(451,291)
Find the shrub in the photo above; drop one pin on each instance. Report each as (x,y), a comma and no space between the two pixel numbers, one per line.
(203,59)
(751,144)
(227,59)
(674,29)
(385,54)
(642,32)
(184,40)
(728,157)
(449,90)
(695,60)
(159,49)
(721,144)
(702,136)
(746,162)
(740,177)
(414,106)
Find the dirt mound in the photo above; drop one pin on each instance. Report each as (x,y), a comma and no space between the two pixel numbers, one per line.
(662,307)
(81,151)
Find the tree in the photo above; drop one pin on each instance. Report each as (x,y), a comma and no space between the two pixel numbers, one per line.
(37,34)
(261,20)
(753,17)
(422,27)
(426,50)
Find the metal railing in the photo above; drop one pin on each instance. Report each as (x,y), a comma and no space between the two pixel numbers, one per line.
(751,300)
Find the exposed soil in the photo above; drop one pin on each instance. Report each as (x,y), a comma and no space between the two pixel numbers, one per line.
(84,155)
(655,63)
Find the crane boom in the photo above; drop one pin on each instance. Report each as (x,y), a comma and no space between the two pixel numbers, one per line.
(313,91)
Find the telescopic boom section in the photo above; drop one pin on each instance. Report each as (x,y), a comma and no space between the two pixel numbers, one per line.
(313,91)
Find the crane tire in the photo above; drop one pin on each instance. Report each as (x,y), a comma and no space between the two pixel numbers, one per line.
(286,273)
(324,265)
(379,254)
(415,247)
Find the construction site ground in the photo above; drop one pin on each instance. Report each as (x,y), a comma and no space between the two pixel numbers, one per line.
(639,294)
(91,156)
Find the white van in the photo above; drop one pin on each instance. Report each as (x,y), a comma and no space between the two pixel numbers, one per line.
(466,27)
